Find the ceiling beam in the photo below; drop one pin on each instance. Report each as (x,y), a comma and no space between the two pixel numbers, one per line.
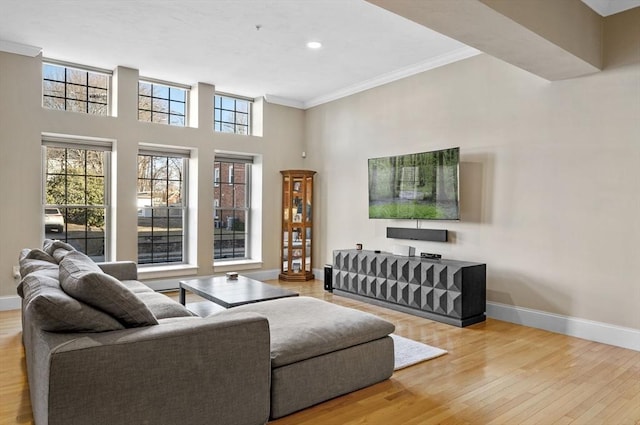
(554,39)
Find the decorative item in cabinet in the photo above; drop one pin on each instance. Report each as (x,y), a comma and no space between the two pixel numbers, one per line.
(297,225)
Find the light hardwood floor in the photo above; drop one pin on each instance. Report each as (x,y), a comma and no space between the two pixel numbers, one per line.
(494,373)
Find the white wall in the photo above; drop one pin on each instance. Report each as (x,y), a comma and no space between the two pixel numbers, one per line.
(550,178)
(23,120)
(550,172)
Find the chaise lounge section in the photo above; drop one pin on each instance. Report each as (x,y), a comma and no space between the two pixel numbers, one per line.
(321,350)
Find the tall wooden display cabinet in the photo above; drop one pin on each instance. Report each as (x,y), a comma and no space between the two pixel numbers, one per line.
(297,225)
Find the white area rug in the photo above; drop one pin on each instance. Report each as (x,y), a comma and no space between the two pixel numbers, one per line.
(409,352)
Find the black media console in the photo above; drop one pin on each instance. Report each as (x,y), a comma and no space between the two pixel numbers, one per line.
(448,291)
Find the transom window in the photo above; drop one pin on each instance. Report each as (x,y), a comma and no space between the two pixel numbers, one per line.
(162,104)
(75,89)
(162,207)
(76,196)
(231,207)
(232,115)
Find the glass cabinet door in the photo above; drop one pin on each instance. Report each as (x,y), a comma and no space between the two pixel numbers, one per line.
(307,208)
(297,225)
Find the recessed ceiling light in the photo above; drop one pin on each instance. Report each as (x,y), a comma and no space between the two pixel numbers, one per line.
(314,45)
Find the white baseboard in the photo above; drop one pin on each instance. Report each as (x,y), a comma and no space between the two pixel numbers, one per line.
(572,326)
(12,302)
(318,274)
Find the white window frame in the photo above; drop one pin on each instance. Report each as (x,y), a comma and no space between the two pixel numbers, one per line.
(169,86)
(248,209)
(185,154)
(106,146)
(219,124)
(82,68)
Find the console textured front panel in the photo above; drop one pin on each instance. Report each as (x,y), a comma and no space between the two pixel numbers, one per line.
(452,289)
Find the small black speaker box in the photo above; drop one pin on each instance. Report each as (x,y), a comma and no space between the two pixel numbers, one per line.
(434,235)
(328,277)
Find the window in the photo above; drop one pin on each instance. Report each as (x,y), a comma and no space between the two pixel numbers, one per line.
(231,207)
(162,104)
(232,114)
(76,195)
(75,89)
(162,207)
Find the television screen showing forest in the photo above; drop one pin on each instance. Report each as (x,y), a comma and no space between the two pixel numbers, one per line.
(415,186)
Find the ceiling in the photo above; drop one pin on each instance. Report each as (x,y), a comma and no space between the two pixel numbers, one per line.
(246,47)
(611,7)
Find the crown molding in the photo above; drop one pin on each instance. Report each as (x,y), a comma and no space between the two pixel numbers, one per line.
(19,49)
(284,101)
(436,62)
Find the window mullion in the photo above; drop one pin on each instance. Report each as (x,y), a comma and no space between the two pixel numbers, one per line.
(86,91)
(65,88)
(63,77)
(68,208)
(161,246)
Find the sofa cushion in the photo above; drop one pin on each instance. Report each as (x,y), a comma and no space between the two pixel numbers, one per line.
(163,306)
(81,278)
(136,286)
(304,327)
(60,253)
(50,246)
(55,311)
(48,271)
(30,265)
(33,260)
(38,254)
(186,319)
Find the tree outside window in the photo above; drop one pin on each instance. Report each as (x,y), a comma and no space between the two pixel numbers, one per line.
(232,115)
(162,104)
(75,89)
(161,208)
(76,197)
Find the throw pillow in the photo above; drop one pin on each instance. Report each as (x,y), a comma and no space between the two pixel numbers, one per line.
(78,262)
(81,278)
(38,254)
(50,245)
(47,272)
(59,254)
(56,311)
(30,265)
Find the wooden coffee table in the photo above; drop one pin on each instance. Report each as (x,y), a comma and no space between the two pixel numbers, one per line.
(231,293)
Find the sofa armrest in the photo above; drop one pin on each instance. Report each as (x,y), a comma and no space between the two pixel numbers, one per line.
(121,270)
(190,371)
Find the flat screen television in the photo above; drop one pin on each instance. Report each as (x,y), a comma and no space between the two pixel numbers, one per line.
(415,186)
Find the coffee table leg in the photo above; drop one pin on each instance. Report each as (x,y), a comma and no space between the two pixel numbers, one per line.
(182,296)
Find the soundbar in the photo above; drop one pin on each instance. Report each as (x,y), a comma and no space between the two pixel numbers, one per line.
(434,235)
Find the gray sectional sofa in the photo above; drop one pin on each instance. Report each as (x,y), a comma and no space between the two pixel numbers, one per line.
(103,348)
